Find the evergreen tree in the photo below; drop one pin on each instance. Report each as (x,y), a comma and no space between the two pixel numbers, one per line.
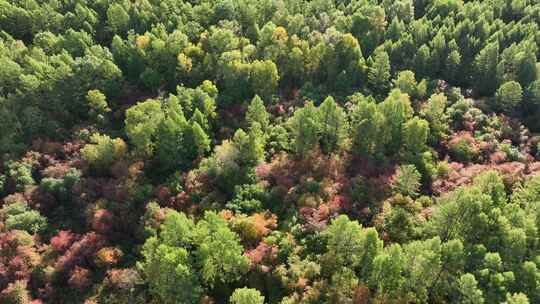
(397,109)
(379,72)
(508,96)
(305,128)
(256,112)
(488,73)
(333,125)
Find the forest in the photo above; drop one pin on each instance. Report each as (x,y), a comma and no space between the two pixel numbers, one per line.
(269,151)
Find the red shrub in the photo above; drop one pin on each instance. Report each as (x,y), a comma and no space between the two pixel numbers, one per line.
(80,278)
(63,240)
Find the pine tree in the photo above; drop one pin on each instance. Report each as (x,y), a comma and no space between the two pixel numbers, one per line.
(304,125)
(396,109)
(379,73)
(488,73)
(333,125)
(369,129)
(256,112)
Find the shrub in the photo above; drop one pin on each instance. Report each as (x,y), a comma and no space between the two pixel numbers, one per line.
(103,152)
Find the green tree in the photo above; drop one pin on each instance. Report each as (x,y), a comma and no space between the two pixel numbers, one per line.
(103,152)
(170,135)
(516,298)
(333,125)
(452,65)
(264,78)
(304,126)
(118,18)
(407,180)
(369,129)
(97,103)
(141,124)
(406,83)
(387,276)
(469,291)
(434,111)
(167,263)
(414,138)
(379,73)
(219,254)
(397,109)
(508,96)
(342,287)
(487,70)
(256,112)
(246,296)
(19,216)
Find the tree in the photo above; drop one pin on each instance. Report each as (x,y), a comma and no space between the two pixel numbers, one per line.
(304,125)
(19,216)
(414,138)
(488,74)
(333,125)
(219,252)
(170,135)
(170,273)
(387,277)
(118,18)
(97,103)
(379,73)
(264,78)
(406,83)
(103,152)
(508,96)
(451,66)
(343,286)
(141,124)
(469,291)
(407,180)
(397,109)
(516,298)
(256,112)
(344,242)
(246,296)
(369,129)
(250,146)
(348,245)
(422,62)
(434,111)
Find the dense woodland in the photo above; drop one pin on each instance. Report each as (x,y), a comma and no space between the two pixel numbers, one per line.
(269,151)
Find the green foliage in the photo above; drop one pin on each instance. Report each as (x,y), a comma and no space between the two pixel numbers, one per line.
(508,96)
(21,217)
(103,152)
(434,112)
(97,102)
(246,296)
(379,73)
(406,83)
(20,173)
(333,125)
(304,125)
(414,138)
(183,256)
(219,252)
(397,109)
(469,291)
(368,128)
(256,112)
(335,93)
(407,180)
(141,124)
(248,199)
